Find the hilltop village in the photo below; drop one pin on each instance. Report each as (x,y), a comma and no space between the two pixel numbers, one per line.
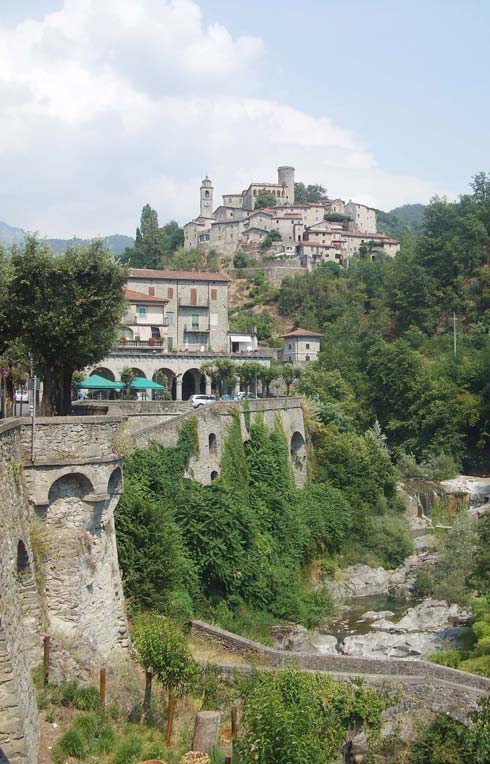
(267,214)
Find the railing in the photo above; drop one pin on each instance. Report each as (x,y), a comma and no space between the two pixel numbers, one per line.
(144,345)
(191,328)
(153,343)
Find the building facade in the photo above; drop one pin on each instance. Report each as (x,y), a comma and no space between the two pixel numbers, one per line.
(301,346)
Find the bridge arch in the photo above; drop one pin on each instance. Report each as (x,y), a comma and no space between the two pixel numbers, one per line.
(103,371)
(193,382)
(214,475)
(168,378)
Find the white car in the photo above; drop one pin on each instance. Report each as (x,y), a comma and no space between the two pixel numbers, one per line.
(202,400)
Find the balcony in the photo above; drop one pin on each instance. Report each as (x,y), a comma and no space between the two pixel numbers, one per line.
(185,302)
(201,329)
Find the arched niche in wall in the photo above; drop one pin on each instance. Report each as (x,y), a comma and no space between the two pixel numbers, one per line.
(298,450)
(71,485)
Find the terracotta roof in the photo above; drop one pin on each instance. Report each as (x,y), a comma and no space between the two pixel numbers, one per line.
(130,294)
(148,273)
(303,333)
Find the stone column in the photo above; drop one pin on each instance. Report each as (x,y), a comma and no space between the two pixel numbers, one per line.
(208,386)
(178,389)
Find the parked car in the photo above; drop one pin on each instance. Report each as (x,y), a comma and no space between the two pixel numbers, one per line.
(21,396)
(202,400)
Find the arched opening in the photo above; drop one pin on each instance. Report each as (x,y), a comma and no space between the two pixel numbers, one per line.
(193,382)
(101,371)
(138,372)
(23,564)
(167,378)
(114,487)
(125,333)
(69,486)
(206,194)
(298,451)
(214,475)
(212,443)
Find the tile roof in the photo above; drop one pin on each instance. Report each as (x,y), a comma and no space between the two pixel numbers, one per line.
(303,333)
(148,273)
(130,294)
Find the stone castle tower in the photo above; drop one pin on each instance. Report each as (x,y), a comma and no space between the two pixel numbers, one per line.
(285,177)
(206,207)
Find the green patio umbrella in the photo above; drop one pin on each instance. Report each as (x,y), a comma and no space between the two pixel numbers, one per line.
(94,382)
(141,383)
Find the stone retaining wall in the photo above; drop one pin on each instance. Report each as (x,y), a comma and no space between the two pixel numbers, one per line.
(70,437)
(20,612)
(464,689)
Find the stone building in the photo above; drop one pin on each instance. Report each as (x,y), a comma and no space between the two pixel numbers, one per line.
(175,322)
(301,346)
(314,229)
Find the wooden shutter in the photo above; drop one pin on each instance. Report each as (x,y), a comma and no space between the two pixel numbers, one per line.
(214,294)
(193,296)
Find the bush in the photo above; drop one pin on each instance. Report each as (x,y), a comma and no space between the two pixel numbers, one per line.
(443,741)
(70,744)
(128,750)
(479,665)
(424,583)
(389,539)
(450,658)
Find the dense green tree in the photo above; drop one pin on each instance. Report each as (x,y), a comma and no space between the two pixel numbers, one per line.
(65,309)
(155,246)
(311,193)
(265,198)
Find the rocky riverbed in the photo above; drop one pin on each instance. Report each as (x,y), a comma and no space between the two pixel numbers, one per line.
(420,631)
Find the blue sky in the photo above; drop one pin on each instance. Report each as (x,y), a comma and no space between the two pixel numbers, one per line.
(384,102)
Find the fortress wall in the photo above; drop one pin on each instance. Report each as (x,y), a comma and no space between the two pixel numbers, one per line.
(20,613)
(69,438)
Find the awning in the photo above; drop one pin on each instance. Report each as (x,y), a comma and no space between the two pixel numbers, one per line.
(240,338)
(95,382)
(141,383)
(144,332)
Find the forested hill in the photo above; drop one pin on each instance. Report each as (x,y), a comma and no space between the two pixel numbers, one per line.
(387,353)
(402,220)
(13,235)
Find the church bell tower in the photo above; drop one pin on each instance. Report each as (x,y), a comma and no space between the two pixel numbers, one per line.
(206,208)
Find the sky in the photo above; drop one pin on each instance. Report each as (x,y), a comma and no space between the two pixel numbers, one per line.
(106,105)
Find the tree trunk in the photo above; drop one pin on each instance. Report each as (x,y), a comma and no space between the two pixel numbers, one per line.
(170,718)
(48,406)
(147,699)
(66,392)
(288,386)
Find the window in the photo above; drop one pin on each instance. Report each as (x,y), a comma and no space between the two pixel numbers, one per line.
(255,192)
(214,294)
(206,194)
(195,321)
(307,345)
(289,346)
(141,310)
(170,293)
(307,357)
(151,291)
(170,317)
(170,342)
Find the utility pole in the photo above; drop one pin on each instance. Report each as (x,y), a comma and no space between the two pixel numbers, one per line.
(454,334)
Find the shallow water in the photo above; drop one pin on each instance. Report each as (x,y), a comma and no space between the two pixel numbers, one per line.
(347,623)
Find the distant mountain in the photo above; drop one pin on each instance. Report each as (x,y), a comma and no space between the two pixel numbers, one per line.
(405,219)
(117,242)
(11,235)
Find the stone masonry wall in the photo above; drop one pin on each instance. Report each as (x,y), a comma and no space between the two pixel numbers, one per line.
(212,427)
(441,689)
(70,437)
(20,613)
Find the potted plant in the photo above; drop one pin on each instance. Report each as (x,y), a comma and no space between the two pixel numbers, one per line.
(136,338)
(152,341)
(123,340)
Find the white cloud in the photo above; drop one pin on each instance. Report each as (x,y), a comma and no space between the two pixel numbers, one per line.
(108,104)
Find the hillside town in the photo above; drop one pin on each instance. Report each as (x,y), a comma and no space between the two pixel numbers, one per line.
(329,230)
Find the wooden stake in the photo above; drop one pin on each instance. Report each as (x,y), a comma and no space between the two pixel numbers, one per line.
(47,644)
(234,721)
(102,686)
